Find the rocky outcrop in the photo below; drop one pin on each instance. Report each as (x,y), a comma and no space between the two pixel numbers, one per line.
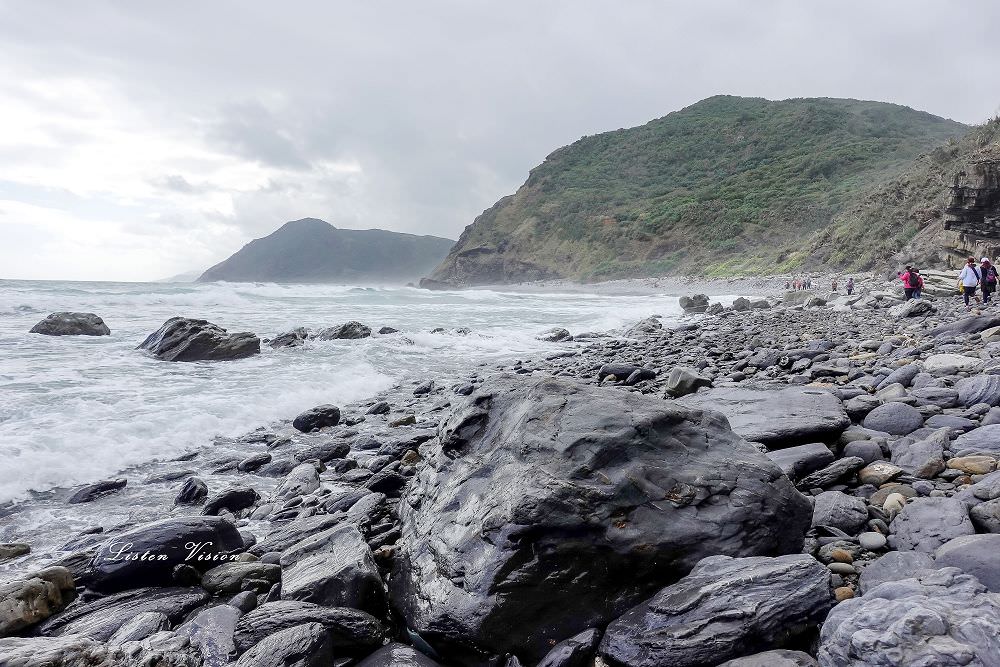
(725,608)
(186,339)
(72,324)
(553,489)
(974,209)
(348,331)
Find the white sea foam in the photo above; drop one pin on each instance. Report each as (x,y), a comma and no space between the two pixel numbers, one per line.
(79,409)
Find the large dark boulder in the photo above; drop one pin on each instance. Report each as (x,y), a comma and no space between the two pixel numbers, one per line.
(726,607)
(321,416)
(147,555)
(348,331)
(548,507)
(775,417)
(351,630)
(397,655)
(72,324)
(186,339)
(306,645)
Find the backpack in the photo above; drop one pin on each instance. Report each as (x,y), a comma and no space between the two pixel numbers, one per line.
(991,275)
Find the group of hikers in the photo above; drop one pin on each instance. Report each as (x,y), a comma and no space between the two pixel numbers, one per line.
(971,279)
(798,284)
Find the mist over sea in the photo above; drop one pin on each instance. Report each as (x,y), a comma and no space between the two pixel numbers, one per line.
(79,409)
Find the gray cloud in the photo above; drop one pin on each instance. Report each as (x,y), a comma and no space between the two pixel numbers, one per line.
(417,116)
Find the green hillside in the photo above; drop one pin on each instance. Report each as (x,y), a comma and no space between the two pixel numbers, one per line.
(726,185)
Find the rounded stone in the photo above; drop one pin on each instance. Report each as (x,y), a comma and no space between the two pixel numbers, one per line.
(842,568)
(842,593)
(872,541)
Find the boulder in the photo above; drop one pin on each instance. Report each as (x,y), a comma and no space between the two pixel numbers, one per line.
(186,339)
(741,304)
(229,578)
(841,511)
(903,375)
(555,335)
(348,331)
(912,308)
(940,617)
(303,479)
(351,631)
(306,645)
(293,338)
(893,566)
(801,460)
(683,381)
(577,651)
(982,440)
(975,555)
(233,500)
(924,524)
(192,491)
(831,474)
(147,555)
(69,651)
(697,303)
(775,417)
(979,389)
(140,626)
(552,488)
(322,416)
(923,458)
(24,602)
(776,658)
(986,516)
(966,325)
(211,631)
(949,364)
(397,655)
(894,418)
(333,568)
(91,492)
(72,324)
(726,607)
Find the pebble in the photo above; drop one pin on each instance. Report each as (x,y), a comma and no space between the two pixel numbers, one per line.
(842,593)
(842,568)
(872,541)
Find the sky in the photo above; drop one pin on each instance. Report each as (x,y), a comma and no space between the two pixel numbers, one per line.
(139,140)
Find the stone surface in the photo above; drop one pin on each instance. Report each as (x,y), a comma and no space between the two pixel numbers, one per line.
(775,417)
(294,338)
(775,658)
(682,381)
(949,364)
(894,418)
(72,324)
(986,516)
(348,331)
(978,555)
(397,655)
(69,651)
(351,630)
(982,440)
(228,578)
(532,480)
(322,416)
(573,652)
(801,460)
(940,618)
(211,631)
(893,566)
(25,602)
(726,607)
(91,492)
(839,510)
(186,339)
(923,458)
(925,524)
(306,645)
(979,389)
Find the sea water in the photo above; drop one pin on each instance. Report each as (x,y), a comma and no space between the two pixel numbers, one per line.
(79,409)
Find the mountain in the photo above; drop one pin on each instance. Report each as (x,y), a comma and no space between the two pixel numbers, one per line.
(186,277)
(314,251)
(727,185)
(918,216)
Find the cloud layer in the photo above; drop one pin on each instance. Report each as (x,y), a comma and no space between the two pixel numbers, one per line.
(138,140)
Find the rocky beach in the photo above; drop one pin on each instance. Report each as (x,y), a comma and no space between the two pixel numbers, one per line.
(797,478)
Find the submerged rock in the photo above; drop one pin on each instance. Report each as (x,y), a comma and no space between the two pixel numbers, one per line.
(186,339)
(72,324)
(347,331)
(553,489)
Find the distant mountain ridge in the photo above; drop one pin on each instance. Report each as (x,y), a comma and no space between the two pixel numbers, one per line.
(726,185)
(314,251)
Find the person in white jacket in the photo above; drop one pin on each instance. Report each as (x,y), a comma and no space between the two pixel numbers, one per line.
(970,277)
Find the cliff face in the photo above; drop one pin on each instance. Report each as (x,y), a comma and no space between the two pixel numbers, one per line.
(315,251)
(725,186)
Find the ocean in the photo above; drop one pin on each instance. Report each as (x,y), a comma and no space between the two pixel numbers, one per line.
(80,409)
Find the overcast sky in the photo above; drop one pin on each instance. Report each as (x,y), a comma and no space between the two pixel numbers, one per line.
(143,139)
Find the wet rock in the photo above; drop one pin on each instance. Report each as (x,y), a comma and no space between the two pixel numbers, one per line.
(726,607)
(233,500)
(912,308)
(294,338)
(143,625)
(333,568)
(186,339)
(380,408)
(530,480)
(894,418)
(347,331)
(326,452)
(306,645)
(351,631)
(322,416)
(831,474)
(92,492)
(72,324)
(148,554)
(424,388)
(211,631)
(192,491)
(254,462)
(683,381)
(555,335)
(398,655)
(697,303)
(13,550)
(776,658)
(573,652)
(777,418)
(228,578)
(925,524)
(940,617)
(294,531)
(25,602)
(975,555)
(303,479)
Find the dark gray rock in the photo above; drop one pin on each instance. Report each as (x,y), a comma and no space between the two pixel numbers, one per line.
(186,339)
(986,516)
(72,324)
(348,331)
(282,537)
(966,325)
(776,658)
(866,450)
(387,330)
(380,408)
(726,607)
(325,452)
(92,492)
(306,645)
(397,655)
(802,460)
(303,479)
(683,381)
(141,626)
(559,472)
(923,458)
(351,630)
(99,619)
(228,578)
(973,554)
(211,631)
(120,562)
(333,568)
(697,303)
(192,491)
(555,335)
(775,417)
(982,440)
(573,652)
(893,566)
(255,462)
(233,500)
(894,418)
(841,511)
(903,375)
(940,617)
(293,338)
(956,425)
(979,389)
(943,397)
(71,651)
(925,524)
(831,474)
(322,416)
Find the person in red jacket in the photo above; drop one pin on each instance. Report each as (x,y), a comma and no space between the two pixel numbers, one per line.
(908,287)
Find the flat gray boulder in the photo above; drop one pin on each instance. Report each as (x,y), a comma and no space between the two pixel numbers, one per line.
(978,555)
(539,493)
(893,566)
(397,655)
(922,458)
(351,630)
(776,658)
(72,324)
(894,418)
(839,510)
(943,618)
(924,524)
(801,460)
(979,389)
(775,417)
(725,608)
(306,645)
(982,440)
(186,339)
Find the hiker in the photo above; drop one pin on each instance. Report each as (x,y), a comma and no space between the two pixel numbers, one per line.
(850,286)
(917,281)
(788,285)
(969,280)
(907,284)
(988,273)
(834,285)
